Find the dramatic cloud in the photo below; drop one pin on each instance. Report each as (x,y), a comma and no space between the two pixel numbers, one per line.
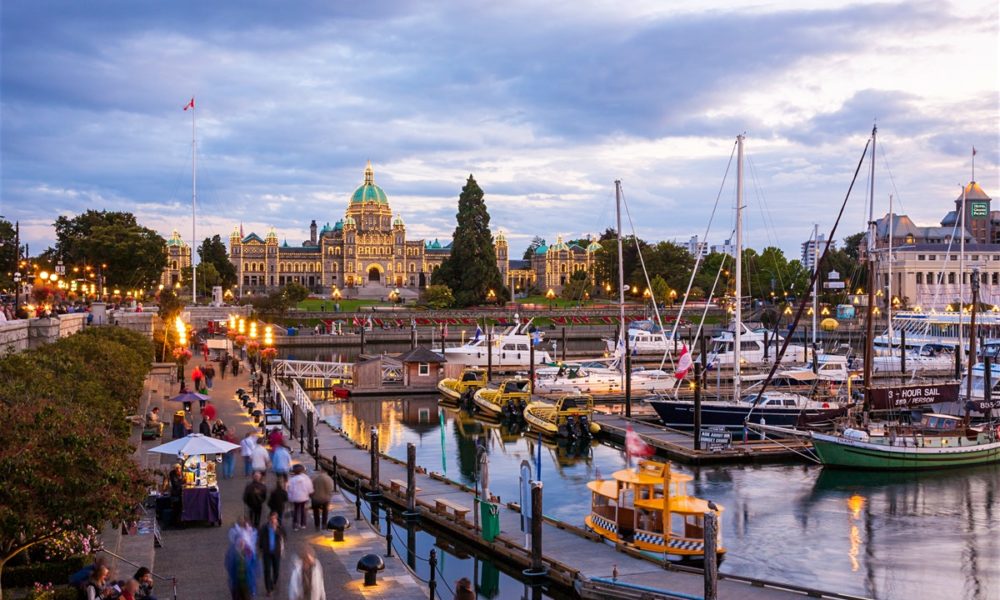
(545,103)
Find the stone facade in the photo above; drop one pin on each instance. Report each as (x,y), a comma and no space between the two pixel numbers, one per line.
(178,259)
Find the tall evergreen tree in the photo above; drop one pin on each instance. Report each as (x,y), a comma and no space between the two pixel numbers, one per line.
(213,251)
(471,270)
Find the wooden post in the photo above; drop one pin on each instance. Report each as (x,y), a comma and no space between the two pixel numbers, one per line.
(902,351)
(411,480)
(697,406)
(335,473)
(536,528)
(489,356)
(432,581)
(958,361)
(362,338)
(767,345)
(564,344)
(373,450)
(711,558)
(628,376)
(388,531)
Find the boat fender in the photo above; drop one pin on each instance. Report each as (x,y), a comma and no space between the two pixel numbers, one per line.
(826,405)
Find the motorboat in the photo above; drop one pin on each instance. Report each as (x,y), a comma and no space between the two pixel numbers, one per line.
(752,348)
(644,337)
(571,416)
(511,348)
(773,408)
(468,381)
(508,399)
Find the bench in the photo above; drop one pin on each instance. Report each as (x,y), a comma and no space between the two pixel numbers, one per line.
(398,486)
(442,507)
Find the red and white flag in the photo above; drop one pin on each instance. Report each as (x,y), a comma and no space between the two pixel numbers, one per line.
(683,363)
(189,104)
(634,444)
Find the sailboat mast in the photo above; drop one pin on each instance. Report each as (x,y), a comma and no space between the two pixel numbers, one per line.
(888,306)
(961,279)
(869,322)
(621,272)
(815,291)
(737,334)
(194,201)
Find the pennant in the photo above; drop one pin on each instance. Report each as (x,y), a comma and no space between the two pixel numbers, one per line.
(683,363)
(479,332)
(190,104)
(634,444)
(973,150)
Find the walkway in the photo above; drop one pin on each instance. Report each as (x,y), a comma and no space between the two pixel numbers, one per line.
(195,553)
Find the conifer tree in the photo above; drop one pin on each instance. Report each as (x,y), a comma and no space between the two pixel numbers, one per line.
(471,269)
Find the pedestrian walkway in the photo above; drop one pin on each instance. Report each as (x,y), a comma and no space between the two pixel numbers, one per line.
(195,554)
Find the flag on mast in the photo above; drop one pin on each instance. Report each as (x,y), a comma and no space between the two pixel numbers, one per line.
(683,363)
(190,104)
(635,446)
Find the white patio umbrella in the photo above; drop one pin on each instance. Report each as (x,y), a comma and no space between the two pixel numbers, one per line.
(195,443)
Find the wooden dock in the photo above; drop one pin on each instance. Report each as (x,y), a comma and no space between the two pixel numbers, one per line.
(679,445)
(575,558)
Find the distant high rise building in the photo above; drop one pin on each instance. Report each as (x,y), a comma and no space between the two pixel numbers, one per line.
(694,247)
(726,247)
(809,250)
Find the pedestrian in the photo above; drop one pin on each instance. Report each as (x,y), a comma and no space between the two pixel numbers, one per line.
(236,366)
(270,540)
(321,496)
(463,590)
(276,438)
(223,363)
(219,429)
(254,495)
(130,589)
(259,458)
(196,377)
(209,371)
(246,451)
(306,582)
(241,567)
(277,499)
(229,458)
(204,428)
(281,462)
(144,577)
(204,350)
(97,584)
(300,487)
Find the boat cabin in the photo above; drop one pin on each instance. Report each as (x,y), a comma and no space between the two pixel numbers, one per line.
(472,376)
(650,508)
(936,422)
(515,386)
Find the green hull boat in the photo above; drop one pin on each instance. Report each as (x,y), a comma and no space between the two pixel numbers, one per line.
(844,452)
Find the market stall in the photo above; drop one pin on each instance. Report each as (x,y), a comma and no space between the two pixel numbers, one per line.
(199,494)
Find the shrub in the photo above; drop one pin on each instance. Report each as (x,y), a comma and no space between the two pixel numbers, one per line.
(56,572)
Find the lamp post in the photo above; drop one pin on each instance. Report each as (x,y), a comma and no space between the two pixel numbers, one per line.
(673,297)
(17,292)
(551,294)
(491,296)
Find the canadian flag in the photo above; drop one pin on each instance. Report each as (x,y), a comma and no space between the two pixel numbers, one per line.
(189,105)
(683,363)
(634,444)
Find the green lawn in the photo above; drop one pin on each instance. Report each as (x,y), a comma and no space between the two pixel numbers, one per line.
(555,302)
(316,304)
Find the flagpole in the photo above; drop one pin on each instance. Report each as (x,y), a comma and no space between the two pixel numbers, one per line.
(194,201)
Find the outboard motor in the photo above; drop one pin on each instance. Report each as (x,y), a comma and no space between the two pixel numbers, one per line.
(584,425)
(571,427)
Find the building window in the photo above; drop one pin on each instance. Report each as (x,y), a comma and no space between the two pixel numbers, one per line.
(921,257)
(424,369)
(920,278)
(975,257)
(994,278)
(951,278)
(932,257)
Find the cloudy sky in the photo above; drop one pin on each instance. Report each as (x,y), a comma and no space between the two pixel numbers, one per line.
(546,103)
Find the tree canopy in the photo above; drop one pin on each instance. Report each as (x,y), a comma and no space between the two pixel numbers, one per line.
(134,255)
(536,242)
(471,270)
(213,252)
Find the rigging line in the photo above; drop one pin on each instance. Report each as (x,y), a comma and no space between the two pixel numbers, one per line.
(698,257)
(812,282)
(892,180)
(768,220)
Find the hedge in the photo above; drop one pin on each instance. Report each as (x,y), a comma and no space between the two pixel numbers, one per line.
(57,572)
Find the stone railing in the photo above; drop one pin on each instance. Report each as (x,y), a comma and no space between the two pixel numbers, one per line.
(23,334)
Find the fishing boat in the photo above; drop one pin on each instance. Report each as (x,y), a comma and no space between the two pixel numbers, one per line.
(510,348)
(454,388)
(571,416)
(650,509)
(508,399)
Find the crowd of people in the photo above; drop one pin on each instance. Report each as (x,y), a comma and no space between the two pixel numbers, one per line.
(94,583)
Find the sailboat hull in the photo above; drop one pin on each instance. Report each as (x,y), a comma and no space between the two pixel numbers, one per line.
(839,452)
(679,414)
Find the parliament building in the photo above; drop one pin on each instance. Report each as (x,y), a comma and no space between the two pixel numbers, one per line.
(367,254)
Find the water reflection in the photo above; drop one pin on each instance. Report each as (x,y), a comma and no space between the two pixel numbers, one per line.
(883,535)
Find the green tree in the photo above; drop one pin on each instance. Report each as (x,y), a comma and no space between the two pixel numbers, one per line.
(471,269)
(536,242)
(134,255)
(8,254)
(438,296)
(578,284)
(710,269)
(851,245)
(669,261)
(295,293)
(661,290)
(208,277)
(213,252)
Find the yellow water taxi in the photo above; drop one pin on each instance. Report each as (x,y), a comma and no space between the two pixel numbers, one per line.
(650,509)
(507,399)
(470,380)
(570,417)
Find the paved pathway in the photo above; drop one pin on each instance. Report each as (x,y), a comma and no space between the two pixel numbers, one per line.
(195,553)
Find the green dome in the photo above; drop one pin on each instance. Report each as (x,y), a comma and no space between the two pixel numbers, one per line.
(369,192)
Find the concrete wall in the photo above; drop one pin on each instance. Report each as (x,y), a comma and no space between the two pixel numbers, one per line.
(23,334)
(199,316)
(143,322)
(13,336)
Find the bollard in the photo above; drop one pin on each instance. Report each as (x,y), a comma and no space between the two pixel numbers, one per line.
(537,569)
(357,499)
(373,450)
(302,439)
(316,451)
(335,473)
(388,531)
(432,581)
(711,559)
(411,483)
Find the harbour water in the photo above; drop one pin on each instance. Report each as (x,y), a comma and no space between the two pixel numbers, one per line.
(931,535)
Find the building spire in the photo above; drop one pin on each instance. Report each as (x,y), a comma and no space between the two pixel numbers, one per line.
(369,174)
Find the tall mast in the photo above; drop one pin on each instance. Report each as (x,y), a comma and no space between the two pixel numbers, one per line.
(961,276)
(815,292)
(869,325)
(621,272)
(738,333)
(194,201)
(888,306)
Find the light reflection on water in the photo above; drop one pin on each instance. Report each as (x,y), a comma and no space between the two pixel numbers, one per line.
(883,535)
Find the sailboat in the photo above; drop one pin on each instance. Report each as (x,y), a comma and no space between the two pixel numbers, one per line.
(773,408)
(891,433)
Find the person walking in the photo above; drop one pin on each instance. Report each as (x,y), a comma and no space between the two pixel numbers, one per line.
(209,371)
(196,377)
(321,496)
(229,458)
(306,582)
(281,462)
(278,498)
(259,457)
(236,366)
(254,495)
(246,451)
(270,540)
(223,363)
(300,487)
(241,567)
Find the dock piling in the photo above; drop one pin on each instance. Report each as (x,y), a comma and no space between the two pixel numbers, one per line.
(362,338)
(432,581)
(335,474)
(373,449)
(388,531)
(537,570)
(531,364)
(958,361)
(316,451)
(711,557)
(564,344)
(411,483)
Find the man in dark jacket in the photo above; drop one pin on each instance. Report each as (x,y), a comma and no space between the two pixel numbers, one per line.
(253,496)
(270,540)
(204,428)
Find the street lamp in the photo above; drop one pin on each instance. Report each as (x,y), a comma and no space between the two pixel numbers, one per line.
(336,293)
(551,294)
(491,296)
(673,297)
